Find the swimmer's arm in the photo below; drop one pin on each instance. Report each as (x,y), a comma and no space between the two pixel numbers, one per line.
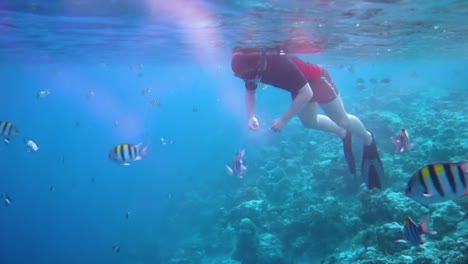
(302,98)
(250,99)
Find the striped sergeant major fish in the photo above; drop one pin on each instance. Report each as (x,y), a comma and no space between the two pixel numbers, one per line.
(126,153)
(414,233)
(439,182)
(7,131)
(237,166)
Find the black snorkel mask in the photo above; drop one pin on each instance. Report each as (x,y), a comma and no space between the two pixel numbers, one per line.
(262,64)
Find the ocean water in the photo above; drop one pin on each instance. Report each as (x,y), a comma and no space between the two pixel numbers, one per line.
(158,73)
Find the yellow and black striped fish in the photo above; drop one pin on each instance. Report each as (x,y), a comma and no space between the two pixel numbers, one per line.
(439,182)
(126,153)
(7,131)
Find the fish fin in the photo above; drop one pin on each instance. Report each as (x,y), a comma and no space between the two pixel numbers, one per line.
(126,164)
(426,194)
(6,141)
(401,241)
(229,170)
(423,227)
(144,151)
(398,146)
(372,168)
(243,167)
(362,187)
(137,158)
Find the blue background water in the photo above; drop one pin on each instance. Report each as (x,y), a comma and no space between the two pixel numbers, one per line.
(84,216)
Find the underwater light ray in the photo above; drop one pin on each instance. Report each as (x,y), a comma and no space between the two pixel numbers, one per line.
(198,26)
(105,105)
(196,23)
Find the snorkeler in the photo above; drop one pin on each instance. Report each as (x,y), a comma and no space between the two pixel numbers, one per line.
(310,85)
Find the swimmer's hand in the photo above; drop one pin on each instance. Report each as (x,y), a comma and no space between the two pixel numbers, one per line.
(278,124)
(253,123)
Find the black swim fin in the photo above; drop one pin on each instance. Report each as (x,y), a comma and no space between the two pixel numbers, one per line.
(372,168)
(348,153)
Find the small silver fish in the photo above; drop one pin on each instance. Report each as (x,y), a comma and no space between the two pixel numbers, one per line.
(146,90)
(164,142)
(43,94)
(32,146)
(7,200)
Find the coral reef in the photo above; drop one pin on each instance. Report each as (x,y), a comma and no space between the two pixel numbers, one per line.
(300,205)
(247,246)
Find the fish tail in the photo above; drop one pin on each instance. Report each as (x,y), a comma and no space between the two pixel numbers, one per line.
(464,166)
(242,153)
(423,226)
(144,150)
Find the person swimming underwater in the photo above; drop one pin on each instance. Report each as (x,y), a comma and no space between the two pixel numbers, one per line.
(310,86)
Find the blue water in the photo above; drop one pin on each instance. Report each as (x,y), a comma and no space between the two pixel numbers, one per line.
(69,201)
